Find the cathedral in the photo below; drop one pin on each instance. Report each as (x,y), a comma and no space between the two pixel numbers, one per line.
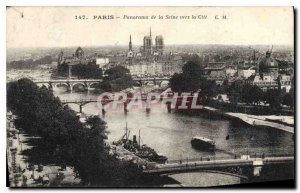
(148,49)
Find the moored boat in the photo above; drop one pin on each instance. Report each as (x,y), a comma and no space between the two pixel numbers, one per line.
(203,143)
(142,151)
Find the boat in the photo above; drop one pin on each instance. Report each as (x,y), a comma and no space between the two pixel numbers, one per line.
(142,151)
(150,154)
(203,143)
(45,179)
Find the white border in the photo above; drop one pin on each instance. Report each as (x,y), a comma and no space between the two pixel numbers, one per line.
(5,3)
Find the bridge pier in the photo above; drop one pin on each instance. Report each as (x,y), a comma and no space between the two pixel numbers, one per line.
(154,81)
(148,106)
(69,87)
(148,110)
(86,88)
(257,167)
(125,107)
(169,107)
(50,87)
(80,108)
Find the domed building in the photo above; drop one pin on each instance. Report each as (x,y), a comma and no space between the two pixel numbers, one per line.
(79,53)
(268,66)
(268,77)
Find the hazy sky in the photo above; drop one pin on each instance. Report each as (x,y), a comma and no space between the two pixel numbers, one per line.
(57,26)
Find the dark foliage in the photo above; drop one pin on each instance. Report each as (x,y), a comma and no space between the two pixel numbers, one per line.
(29,63)
(252,94)
(84,71)
(116,79)
(63,138)
(191,80)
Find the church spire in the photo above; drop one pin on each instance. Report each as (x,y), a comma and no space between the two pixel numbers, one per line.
(130,43)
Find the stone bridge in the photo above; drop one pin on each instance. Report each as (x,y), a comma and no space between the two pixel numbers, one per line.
(164,81)
(87,84)
(242,167)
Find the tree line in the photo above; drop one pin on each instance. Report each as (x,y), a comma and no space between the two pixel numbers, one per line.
(29,63)
(116,79)
(64,140)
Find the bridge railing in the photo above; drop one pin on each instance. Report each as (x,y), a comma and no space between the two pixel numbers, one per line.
(204,158)
(195,164)
(65,80)
(213,158)
(78,101)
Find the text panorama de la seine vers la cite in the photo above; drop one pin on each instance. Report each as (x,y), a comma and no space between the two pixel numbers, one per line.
(167,17)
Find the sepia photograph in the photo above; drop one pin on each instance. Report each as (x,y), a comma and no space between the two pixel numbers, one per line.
(149,97)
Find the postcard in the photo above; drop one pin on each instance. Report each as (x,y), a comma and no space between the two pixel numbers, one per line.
(149,96)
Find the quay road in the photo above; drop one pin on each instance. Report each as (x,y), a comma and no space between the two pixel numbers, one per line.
(252,120)
(255,121)
(215,165)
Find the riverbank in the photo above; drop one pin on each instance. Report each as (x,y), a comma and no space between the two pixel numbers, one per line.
(249,108)
(276,122)
(24,174)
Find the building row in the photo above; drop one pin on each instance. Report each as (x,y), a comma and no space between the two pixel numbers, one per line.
(264,74)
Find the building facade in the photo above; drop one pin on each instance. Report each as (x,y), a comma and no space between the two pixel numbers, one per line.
(268,76)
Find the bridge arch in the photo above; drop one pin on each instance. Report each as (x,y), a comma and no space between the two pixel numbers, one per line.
(93,84)
(75,85)
(209,171)
(44,84)
(147,82)
(62,84)
(78,83)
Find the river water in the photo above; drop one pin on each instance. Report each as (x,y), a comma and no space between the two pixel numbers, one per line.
(170,134)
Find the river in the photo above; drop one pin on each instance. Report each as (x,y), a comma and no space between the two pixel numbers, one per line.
(170,134)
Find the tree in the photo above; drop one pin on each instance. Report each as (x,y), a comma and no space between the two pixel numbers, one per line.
(117,78)
(192,69)
(273,98)
(191,80)
(208,87)
(188,80)
(64,140)
(87,71)
(183,83)
(116,72)
(235,90)
(192,58)
(287,100)
(252,94)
